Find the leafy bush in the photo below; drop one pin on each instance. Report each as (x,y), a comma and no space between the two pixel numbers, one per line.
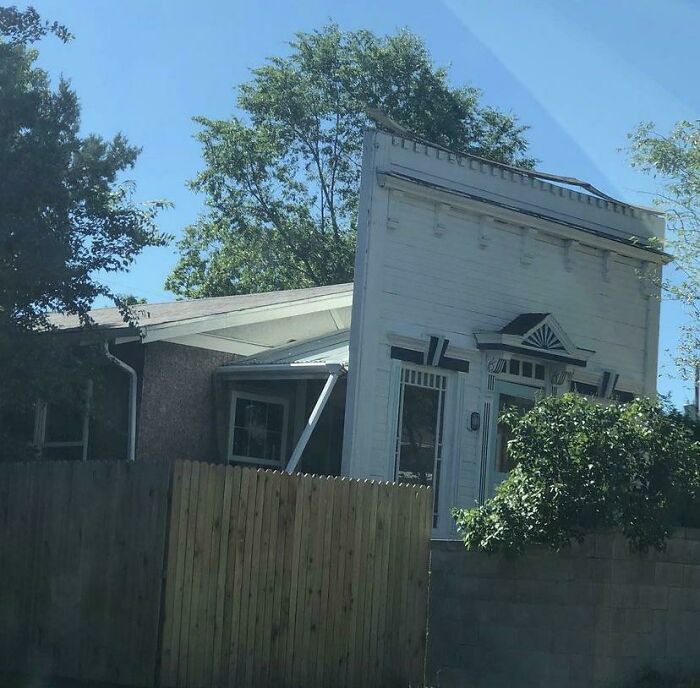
(581,466)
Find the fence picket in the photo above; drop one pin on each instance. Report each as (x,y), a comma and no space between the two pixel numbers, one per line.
(269,579)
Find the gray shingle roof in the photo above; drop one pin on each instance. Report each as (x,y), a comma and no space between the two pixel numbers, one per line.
(150,314)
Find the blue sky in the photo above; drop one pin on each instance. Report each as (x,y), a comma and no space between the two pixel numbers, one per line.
(582,73)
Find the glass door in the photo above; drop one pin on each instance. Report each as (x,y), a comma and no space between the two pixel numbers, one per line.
(421,431)
(508,395)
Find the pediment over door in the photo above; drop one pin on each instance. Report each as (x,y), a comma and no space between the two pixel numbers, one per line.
(534,334)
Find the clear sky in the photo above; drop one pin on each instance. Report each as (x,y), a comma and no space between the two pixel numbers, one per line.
(582,73)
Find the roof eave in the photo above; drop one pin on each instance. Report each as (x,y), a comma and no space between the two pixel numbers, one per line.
(274,371)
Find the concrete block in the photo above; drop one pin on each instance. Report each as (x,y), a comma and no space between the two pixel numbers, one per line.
(454,677)
(627,669)
(533,591)
(573,641)
(556,671)
(683,551)
(603,668)
(621,549)
(668,573)
(630,644)
(580,669)
(653,596)
(692,534)
(677,598)
(693,599)
(639,620)
(633,571)
(691,575)
(504,591)
(619,595)
(599,570)
(659,632)
(536,638)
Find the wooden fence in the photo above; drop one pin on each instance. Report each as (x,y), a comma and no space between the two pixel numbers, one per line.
(81,560)
(205,575)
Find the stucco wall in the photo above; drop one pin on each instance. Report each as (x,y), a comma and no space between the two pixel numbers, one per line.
(178,415)
(594,616)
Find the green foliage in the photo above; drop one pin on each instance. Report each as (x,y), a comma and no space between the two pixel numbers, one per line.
(26,26)
(281,180)
(65,221)
(580,467)
(674,160)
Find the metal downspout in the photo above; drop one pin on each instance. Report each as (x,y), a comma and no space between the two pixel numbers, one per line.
(133,382)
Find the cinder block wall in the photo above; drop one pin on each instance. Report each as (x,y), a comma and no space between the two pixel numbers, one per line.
(596,615)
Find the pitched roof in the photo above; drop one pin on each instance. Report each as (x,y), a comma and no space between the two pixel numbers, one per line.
(150,314)
(523,323)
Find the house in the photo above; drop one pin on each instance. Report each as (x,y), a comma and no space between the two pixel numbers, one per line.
(477,286)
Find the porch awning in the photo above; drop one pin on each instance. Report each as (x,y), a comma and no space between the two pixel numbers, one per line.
(534,334)
(314,358)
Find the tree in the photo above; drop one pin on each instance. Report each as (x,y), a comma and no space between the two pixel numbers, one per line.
(674,160)
(65,220)
(581,466)
(281,180)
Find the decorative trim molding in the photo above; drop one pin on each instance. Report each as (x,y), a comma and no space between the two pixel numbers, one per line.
(511,215)
(392,220)
(569,250)
(434,355)
(485,231)
(521,176)
(607,261)
(440,219)
(527,253)
(485,432)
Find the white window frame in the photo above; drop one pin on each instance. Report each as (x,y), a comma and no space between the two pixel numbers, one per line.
(265,398)
(41,411)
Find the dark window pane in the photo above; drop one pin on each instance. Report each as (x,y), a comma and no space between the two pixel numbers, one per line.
(258,429)
(539,372)
(273,446)
(584,388)
(63,424)
(418,429)
(240,442)
(256,447)
(240,415)
(514,366)
(275,416)
(527,369)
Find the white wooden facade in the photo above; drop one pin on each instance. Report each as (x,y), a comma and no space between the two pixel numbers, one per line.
(450,247)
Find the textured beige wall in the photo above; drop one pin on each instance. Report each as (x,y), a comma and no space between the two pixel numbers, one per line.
(178,416)
(596,615)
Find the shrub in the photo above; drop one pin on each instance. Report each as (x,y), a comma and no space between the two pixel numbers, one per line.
(581,466)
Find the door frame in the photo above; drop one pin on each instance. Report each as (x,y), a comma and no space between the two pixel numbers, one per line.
(448,459)
(513,389)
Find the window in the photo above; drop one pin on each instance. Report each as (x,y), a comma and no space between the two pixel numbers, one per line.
(522,368)
(584,388)
(504,463)
(591,390)
(258,429)
(62,429)
(419,442)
